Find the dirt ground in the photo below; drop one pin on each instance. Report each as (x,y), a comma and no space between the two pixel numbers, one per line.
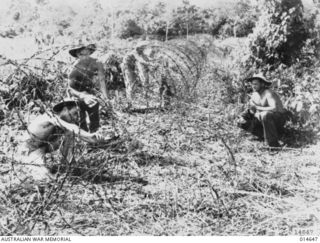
(181,172)
(188,170)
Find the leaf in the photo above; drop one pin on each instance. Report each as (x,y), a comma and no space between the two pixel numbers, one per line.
(313,108)
(279,83)
(292,10)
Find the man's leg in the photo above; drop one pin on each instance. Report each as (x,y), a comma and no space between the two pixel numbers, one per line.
(83,115)
(144,77)
(272,122)
(94,118)
(248,122)
(35,167)
(129,80)
(67,148)
(165,95)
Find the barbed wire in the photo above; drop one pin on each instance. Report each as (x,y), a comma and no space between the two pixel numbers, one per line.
(39,208)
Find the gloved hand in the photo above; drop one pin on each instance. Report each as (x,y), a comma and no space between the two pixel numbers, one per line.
(90,100)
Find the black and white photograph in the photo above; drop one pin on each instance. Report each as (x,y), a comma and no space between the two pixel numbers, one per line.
(159,118)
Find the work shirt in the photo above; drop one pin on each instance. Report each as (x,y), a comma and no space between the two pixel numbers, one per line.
(82,75)
(115,77)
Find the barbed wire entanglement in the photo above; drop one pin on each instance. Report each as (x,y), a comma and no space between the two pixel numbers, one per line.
(30,87)
(177,62)
(182,64)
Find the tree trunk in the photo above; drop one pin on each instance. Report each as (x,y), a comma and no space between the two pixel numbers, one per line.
(187,30)
(112,25)
(234,29)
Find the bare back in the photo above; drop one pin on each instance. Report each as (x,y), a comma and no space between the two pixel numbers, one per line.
(43,128)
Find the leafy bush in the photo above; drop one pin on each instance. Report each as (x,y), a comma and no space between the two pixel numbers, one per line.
(311,48)
(279,35)
(27,88)
(129,28)
(244,27)
(299,86)
(284,47)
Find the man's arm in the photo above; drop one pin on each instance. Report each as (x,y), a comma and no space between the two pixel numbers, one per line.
(89,99)
(268,108)
(102,80)
(68,127)
(76,93)
(272,103)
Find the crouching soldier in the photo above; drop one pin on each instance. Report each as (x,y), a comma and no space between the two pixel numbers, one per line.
(266,116)
(49,132)
(85,80)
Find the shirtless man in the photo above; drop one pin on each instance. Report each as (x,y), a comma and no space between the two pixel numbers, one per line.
(83,85)
(265,105)
(49,132)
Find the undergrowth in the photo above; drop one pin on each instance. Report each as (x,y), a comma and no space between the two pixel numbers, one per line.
(187,170)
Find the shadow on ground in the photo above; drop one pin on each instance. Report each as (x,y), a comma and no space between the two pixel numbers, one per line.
(296,138)
(145,159)
(94,175)
(145,110)
(97,173)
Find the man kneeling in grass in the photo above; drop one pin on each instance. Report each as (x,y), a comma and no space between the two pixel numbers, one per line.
(45,136)
(265,112)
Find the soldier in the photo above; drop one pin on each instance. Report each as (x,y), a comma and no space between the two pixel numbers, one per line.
(167,89)
(114,76)
(49,132)
(265,111)
(83,85)
(135,61)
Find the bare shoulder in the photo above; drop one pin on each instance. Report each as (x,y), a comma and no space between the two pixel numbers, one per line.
(271,93)
(255,96)
(42,119)
(56,121)
(267,93)
(42,122)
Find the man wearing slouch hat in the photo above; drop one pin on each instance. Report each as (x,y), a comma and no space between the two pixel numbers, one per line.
(266,115)
(49,132)
(86,80)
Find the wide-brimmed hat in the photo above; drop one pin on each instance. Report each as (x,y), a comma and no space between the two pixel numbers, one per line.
(259,77)
(74,52)
(66,102)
